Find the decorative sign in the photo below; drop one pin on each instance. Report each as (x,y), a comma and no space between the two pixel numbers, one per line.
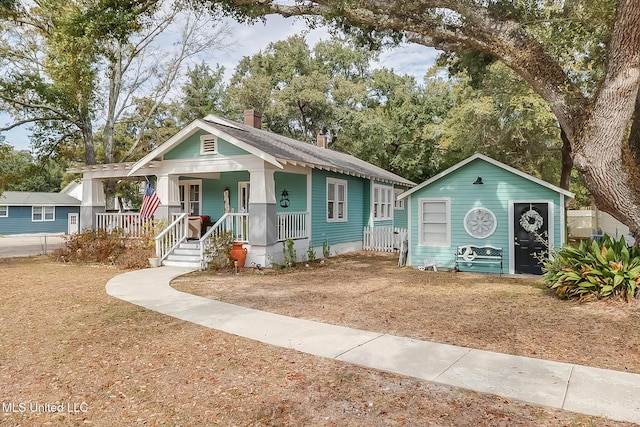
(480,223)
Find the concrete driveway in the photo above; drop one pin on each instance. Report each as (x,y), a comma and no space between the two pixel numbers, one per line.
(22,245)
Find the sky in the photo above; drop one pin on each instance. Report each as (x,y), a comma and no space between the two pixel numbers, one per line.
(250,39)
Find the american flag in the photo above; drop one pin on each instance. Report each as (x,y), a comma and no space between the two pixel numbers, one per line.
(150,202)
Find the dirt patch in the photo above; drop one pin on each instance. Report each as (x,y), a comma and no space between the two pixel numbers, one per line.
(66,344)
(367,290)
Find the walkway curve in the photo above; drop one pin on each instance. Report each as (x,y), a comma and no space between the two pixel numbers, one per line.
(581,389)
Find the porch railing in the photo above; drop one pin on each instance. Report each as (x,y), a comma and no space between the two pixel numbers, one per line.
(237,223)
(169,239)
(291,225)
(130,223)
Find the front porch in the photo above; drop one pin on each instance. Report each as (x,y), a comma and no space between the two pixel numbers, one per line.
(176,245)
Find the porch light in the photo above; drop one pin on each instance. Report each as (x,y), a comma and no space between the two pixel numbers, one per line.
(478,181)
(284,199)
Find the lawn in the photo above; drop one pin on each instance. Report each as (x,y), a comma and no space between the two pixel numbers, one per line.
(67,345)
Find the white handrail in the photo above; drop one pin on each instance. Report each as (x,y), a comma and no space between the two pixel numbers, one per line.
(169,239)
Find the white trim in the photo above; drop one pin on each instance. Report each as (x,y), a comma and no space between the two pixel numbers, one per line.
(512,237)
(345,210)
(447,241)
(493,162)
(43,213)
(191,129)
(4,208)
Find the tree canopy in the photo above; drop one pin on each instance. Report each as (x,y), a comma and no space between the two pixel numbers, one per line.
(581,57)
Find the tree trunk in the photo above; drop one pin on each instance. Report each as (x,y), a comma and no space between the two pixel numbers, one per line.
(567,161)
(601,150)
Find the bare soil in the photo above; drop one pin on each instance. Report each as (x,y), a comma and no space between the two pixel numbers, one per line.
(67,345)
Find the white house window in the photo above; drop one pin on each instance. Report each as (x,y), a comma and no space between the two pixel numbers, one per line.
(398,204)
(4,211)
(382,202)
(336,200)
(435,222)
(208,144)
(42,213)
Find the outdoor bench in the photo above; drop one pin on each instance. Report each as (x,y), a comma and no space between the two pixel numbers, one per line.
(474,255)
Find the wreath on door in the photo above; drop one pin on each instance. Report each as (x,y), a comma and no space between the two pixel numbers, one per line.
(531,221)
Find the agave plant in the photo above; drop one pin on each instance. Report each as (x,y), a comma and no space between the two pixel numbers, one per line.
(600,269)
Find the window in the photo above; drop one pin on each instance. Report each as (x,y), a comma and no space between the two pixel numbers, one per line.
(336,200)
(42,213)
(434,222)
(382,199)
(398,204)
(208,144)
(4,211)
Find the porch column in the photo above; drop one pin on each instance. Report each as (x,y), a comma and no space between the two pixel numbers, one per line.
(262,209)
(92,202)
(167,189)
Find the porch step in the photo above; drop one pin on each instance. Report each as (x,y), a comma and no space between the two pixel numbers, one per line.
(186,255)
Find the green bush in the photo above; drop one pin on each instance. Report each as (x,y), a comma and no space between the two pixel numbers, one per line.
(600,269)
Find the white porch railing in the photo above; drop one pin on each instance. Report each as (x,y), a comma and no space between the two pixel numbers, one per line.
(169,239)
(130,223)
(383,239)
(291,225)
(237,223)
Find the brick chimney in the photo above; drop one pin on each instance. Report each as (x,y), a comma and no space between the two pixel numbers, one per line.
(321,140)
(253,118)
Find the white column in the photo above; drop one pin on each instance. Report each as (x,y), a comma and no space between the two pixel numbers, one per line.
(167,189)
(92,202)
(262,215)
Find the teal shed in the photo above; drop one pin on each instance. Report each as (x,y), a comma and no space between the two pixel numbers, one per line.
(480,203)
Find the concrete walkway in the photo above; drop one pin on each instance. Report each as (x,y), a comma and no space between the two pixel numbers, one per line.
(576,388)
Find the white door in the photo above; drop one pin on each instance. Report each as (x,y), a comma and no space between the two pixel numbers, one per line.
(190,197)
(73,223)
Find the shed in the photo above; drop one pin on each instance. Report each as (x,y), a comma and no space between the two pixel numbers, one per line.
(482,202)
(23,212)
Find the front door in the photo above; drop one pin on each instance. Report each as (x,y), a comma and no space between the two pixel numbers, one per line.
(190,197)
(73,223)
(530,230)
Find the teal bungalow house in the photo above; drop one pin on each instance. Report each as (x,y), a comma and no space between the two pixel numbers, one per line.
(216,175)
(482,215)
(25,212)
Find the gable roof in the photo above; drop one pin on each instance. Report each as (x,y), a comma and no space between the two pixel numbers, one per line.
(30,198)
(275,149)
(493,162)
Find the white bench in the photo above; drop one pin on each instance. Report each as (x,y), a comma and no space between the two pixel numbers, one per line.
(473,255)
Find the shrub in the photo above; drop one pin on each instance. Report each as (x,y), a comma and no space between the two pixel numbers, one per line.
(106,248)
(591,271)
(219,253)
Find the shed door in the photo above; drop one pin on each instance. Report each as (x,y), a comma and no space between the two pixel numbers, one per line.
(530,220)
(73,223)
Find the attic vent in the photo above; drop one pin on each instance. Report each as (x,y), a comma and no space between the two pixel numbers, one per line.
(208,144)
